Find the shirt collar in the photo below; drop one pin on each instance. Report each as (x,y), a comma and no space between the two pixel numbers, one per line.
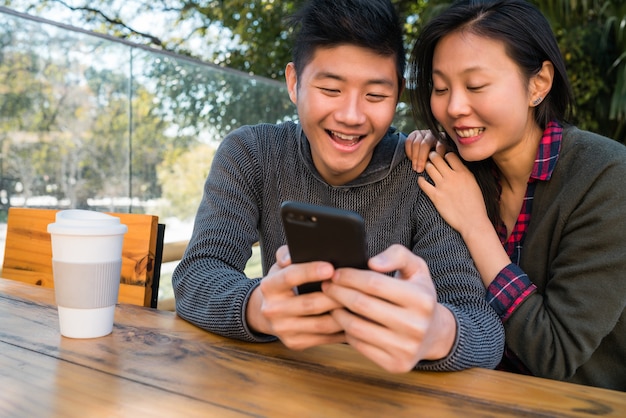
(548,152)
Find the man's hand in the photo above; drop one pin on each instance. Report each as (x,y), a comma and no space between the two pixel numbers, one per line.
(395,322)
(298,321)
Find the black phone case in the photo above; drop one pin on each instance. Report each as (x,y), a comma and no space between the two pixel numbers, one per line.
(324,233)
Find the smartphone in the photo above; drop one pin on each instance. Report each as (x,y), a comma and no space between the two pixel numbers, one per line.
(324,233)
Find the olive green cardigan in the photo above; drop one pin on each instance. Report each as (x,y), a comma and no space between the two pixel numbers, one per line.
(573,327)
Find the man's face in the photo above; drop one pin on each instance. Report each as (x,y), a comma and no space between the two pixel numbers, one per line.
(346,98)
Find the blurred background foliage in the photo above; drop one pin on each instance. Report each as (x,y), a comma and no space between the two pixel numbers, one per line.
(248,35)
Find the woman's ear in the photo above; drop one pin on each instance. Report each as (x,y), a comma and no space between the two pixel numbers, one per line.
(291,77)
(541,83)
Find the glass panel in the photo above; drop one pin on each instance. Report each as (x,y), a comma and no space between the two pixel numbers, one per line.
(65,117)
(92,122)
(89,121)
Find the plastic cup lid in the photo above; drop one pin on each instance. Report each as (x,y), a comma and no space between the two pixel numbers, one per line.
(86,222)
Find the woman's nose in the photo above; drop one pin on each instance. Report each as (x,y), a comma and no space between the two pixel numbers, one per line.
(458,104)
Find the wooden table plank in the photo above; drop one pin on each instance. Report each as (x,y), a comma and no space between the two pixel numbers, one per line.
(40,386)
(159,350)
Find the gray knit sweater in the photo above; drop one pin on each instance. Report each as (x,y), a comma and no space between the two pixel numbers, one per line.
(258,167)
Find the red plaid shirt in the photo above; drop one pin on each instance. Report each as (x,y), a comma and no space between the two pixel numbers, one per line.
(512,286)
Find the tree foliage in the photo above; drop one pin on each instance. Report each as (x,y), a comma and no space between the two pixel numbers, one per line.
(85,120)
(64,124)
(182,186)
(252,38)
(592,37)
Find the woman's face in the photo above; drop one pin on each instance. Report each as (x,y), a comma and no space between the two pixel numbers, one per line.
(481,98)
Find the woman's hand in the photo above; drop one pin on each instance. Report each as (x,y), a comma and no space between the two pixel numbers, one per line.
(419,144)
(455,191)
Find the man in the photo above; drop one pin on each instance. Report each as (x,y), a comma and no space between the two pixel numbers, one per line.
(421,304)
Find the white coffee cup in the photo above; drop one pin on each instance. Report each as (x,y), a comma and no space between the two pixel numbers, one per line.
(87,265)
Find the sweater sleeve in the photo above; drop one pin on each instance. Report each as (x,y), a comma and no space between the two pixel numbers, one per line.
(209,283)
(480,334)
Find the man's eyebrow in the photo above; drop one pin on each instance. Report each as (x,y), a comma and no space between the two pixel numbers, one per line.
(328,75)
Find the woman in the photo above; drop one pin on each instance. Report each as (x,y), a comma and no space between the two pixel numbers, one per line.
(540,204)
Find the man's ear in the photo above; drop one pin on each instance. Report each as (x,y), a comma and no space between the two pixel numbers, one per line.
(541,83)
(291,77)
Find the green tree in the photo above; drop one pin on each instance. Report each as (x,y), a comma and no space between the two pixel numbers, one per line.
(246,27)
(210,103)
(65,125)
(592,35)
(182,175)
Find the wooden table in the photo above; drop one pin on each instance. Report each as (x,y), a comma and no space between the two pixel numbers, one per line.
(156,364)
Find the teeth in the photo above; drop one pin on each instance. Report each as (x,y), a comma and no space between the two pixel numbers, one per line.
(345,137)
(466,133)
